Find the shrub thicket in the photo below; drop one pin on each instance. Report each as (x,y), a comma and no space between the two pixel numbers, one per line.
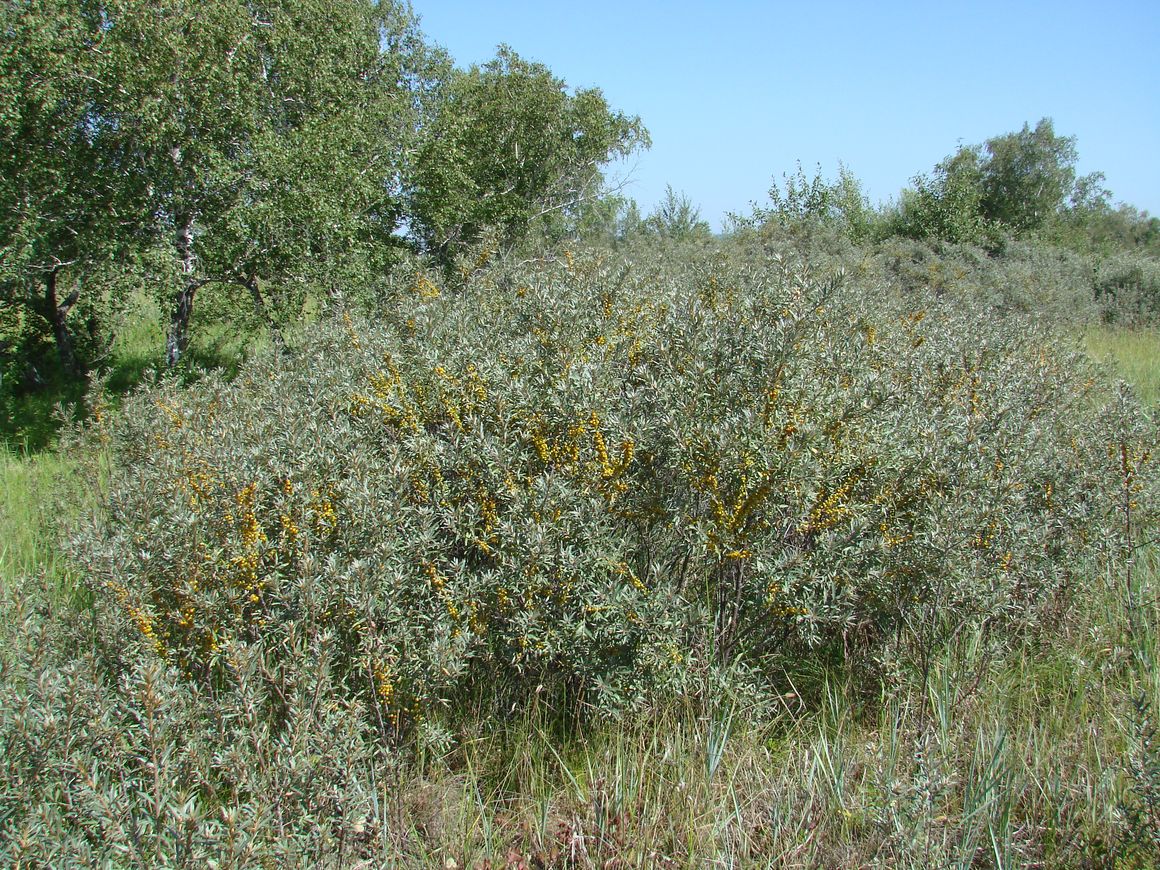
(601,481)
(1127,290)
(1034,280)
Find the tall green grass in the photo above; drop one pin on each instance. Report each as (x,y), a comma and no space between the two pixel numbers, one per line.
(40,493)
(27,535)
(1133,353)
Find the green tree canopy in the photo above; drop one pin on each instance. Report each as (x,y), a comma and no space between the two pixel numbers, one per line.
(510,145)
(947,203)
(1027,177)
(800,205)
(265,144)
(67,201)
(676,217)
(1017,183)
(272,134)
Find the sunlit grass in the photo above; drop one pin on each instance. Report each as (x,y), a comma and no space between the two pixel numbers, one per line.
(1135,354)
(39,495)
(26,542)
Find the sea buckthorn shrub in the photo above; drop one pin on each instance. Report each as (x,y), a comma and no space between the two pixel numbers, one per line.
(1029,278)
(1127,289)
(602,480)
(113,759)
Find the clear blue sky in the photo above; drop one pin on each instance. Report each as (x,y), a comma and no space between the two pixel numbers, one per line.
(735,93)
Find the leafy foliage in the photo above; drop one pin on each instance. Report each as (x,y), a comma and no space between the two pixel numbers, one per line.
(707,477)
(646,477)
(276,148)
(677,219)
(262,145)
(1128,290)
(807,205)
(947,205)
(1027,177)
(111,759)
(509,146)
(1013,184)
(66,207)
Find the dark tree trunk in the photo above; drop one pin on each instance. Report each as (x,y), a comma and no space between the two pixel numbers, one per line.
(56,313)
(251,283)
(178,339)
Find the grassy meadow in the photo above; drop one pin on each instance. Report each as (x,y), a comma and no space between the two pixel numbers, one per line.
(1133,353)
